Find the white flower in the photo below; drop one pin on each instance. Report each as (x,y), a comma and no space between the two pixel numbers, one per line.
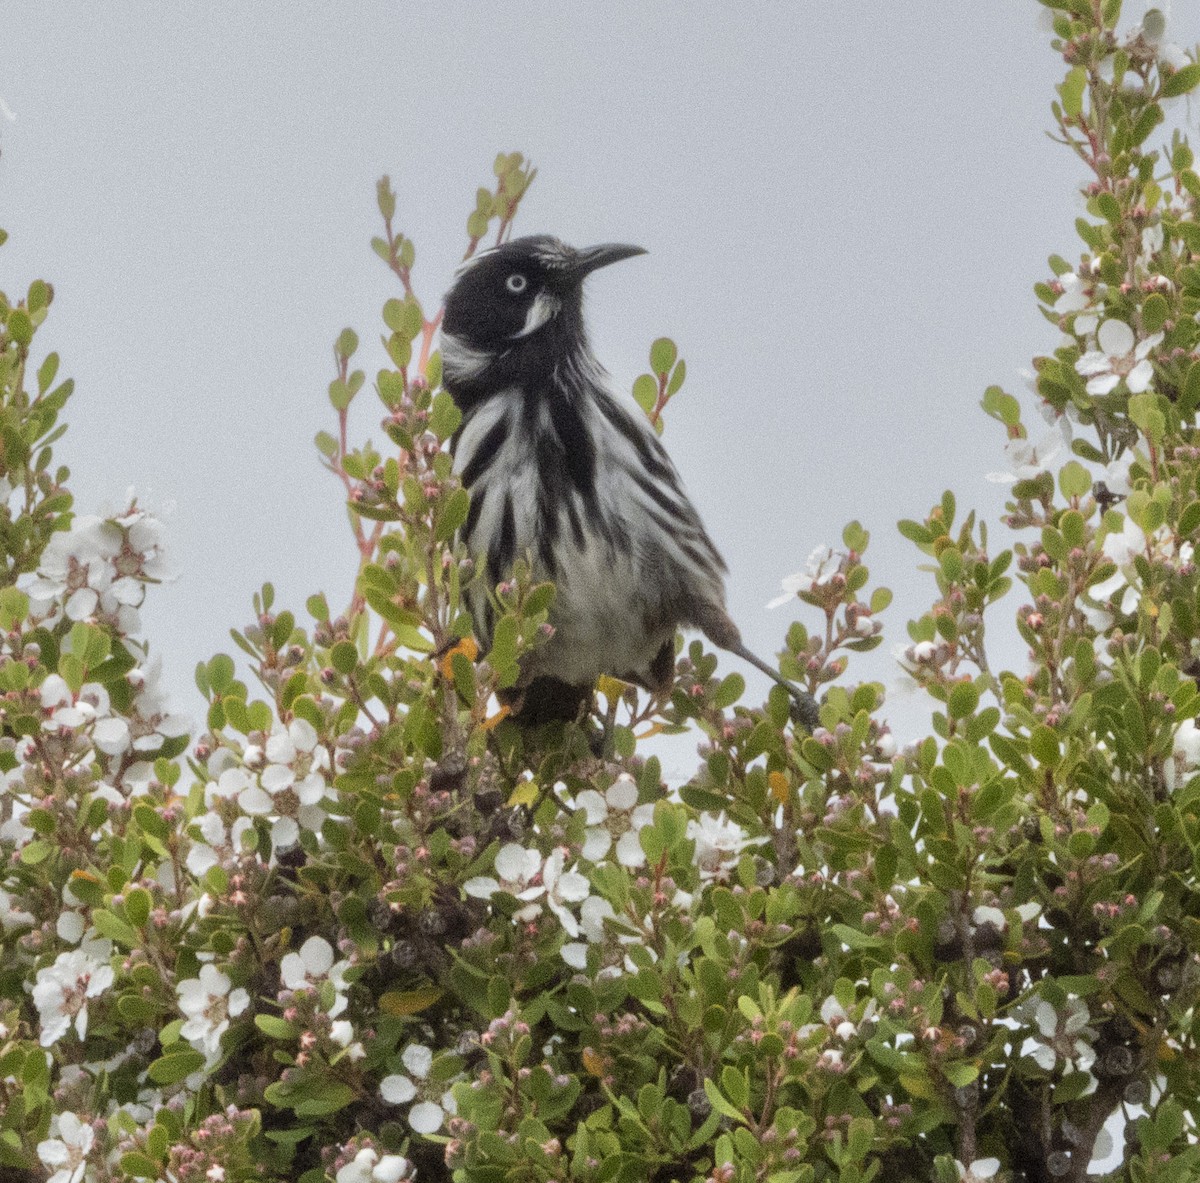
(977,1171)
(822,565)
(615,815)
(68,1152)
(296,762)
(592,914)
(1118,356)
(562,888)
(425,1117)
(367,1166)
(208,1004)
(76,566)
(308,968)
(719,842)
(519,873)
(218,843)
(1065,1035)
(62,990)
(290,786)
(1026,459)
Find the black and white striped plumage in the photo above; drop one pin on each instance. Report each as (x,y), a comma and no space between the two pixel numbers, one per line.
(561,471)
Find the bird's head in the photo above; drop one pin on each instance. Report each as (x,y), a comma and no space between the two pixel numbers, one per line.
(523,298)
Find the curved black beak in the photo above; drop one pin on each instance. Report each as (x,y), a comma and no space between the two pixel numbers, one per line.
(592,258)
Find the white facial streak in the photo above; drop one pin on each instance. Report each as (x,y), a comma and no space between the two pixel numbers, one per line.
(544,306)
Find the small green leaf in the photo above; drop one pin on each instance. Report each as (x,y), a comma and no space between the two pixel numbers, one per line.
(444,416)
(137,905)
(1155,311)
(1071,90)
(662,355)
(347,343)
(678,374)
(962,700)
(20,327)
(645,392)
(175,1065)
(1074,480)
(1182,81)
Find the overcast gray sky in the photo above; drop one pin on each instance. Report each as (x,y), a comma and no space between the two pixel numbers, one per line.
(845,206)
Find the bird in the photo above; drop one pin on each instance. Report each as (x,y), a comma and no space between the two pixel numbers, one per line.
(561,472)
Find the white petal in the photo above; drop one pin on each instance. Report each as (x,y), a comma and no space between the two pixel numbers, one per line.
(317,954)
(397,1090)
(574,953)
(595,844)
(426,1117)
(512,862)
(292,971)
(70,927)
(417,1059)
(1139,378)
(285,833)
(111,736)
(593,805)
(276,777)
(280,749)
(622,794)
(1115,338)
(389,1169)
(481,887)
(303,734)
(254,801)
(629,850)
(1104,384)
(573,886)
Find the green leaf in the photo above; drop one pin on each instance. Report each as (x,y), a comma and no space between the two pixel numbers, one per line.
(1074,480)
(220,673)
(729,691)
(1182,81)
(718,1101)
(175,1065)
(1071,90)
(444,416)
(273,1027)
(20,327)
(137,905)
(662,355)
(1155,311)
(963,700)
(1145,412)
(140,1166)
(347,343)
(110,925)
(1001,406)
(453,514)
(1043,744)
(344,657)
(645,392)
(14,608)
(678,374)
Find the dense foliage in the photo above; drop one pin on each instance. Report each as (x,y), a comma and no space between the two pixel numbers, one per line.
(366,927)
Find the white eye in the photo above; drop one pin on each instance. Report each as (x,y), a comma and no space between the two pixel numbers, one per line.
(516,283)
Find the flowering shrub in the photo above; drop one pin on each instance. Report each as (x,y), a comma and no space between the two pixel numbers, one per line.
(363,927)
